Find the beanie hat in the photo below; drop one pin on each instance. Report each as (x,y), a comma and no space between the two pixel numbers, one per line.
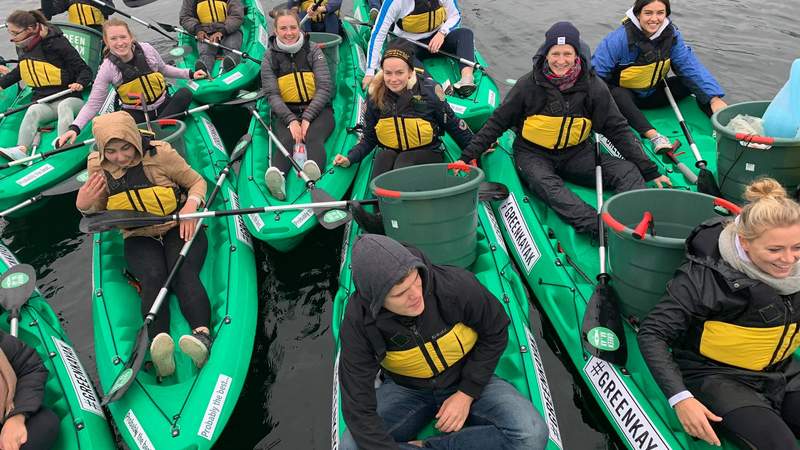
(398,49)
(562,33)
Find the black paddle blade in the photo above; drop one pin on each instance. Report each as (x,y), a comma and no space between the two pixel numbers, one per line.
(16,286)
(241,147)
(602,330)
(128,374)
(108,220)
(71,184)
(329,218)
(167,27)
(490,190)
(369,222)
(707,184)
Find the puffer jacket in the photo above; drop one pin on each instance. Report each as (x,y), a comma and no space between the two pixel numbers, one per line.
(31,376)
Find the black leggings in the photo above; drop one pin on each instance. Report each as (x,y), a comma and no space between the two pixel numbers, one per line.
(42,430)
(756,427)
(459,41)
(317,133)
(176,103)
(386,160)
(150,260)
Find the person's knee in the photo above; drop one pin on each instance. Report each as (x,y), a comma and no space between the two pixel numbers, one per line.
(183,95)
(625,177)
(533,433)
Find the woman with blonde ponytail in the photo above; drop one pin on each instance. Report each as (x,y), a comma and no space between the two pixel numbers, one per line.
(731,316)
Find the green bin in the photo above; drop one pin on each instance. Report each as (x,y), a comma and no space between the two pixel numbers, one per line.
(640,269)
(87,41)
(744,158)
(434,208)
(329,43)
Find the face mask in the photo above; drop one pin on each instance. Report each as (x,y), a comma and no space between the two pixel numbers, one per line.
(29,37)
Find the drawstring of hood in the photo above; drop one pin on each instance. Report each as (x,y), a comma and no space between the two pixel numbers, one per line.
(635,21)
(290,48)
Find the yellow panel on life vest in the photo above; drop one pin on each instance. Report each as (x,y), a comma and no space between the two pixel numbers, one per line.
(158,200)
(152,85)
(211,11)
(404,133)
(452,346)
(38,74)
(297,87)
(307,4)
(556,132)
(747,347)
(644,77)
(85,14)
(424,22)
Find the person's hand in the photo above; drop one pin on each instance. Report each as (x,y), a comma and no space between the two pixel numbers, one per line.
(662,180)
(341,160)
(216,37)
(14,433)
(453,413)
(694,417)
(201,35)
(4,70)
(314,13)
(717,104)
(91,191)
(76,87)
(199,75)
(366,81)
(436,43)
(304,128)
(188,226)
(297,131)
(68,137)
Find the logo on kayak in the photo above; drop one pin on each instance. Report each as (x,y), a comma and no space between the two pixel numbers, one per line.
(602,338)
(517,228)
(334,215)
(214,408)
(14,280)
(121,380)
(83,176)
(138,434)
(35,175)
(81,383)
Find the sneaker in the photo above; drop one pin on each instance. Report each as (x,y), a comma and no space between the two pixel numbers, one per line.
(311,169)
(660,142)
(196,346)
(373,15)
(161,350)
(200,65)
(465,88)
(228,64)
(276,183)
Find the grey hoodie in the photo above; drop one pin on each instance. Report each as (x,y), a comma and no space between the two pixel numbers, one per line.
(233,22)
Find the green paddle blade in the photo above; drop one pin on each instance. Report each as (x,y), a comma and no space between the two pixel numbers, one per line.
(71,184)
(128,374)
(602,330)
(245,98)
(178,52)
(16,286)
(329,218)
(241,147)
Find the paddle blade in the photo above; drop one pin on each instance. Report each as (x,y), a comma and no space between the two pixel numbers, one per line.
(71,184)
(245,98)
(329,218)
(108,220)
(369,222)
(489,190)
(707,184)
(602,330)
(128,374)
(241,147)
(16,286)
(167,27)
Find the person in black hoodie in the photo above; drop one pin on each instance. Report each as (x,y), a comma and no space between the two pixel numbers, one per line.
(48,63)
(436,334)
(80,12)
(554,109)
(25,422)
(731,316)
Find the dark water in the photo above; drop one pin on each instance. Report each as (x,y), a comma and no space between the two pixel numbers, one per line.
(748,44)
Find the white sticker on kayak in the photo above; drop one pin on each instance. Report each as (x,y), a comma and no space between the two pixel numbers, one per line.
(263,36)
(345,244)
(491,97)
(520,234)
(458,109)
(81,383)
(362,60)
(495,227)
(232,77)
(214,408)
(636,426)
(192,85)
(544,391)
(9,258)
(137,432)
(255,219)
(241,229)
(750,167)
(35,175)
(610,148)
(213,134)
(303,217)
(109,103)
(335,405)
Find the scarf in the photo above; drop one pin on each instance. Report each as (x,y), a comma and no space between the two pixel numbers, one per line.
(730,247)
(30,42)
(8,385)
(567,80)
(290,48)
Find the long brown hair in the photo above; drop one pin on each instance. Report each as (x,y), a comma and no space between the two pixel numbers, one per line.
(25,19)
(114,22)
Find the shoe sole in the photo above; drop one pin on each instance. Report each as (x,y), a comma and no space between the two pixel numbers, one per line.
(274,184)
(312,172)
(162,355)
(193,348)
(465,91)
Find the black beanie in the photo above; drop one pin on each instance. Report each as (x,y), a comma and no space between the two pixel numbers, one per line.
(562,33)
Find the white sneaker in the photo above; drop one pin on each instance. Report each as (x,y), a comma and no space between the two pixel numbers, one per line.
(660,142)
(311,169)
(276,183)
(161,350)
(14,153)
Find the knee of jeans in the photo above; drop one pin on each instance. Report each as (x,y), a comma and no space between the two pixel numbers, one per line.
(531,430)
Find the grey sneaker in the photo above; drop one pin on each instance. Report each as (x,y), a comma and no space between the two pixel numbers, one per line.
(161,350)
(660,142)
(228,64)
(464,88)
(276,183)
(311,169)
(196,346)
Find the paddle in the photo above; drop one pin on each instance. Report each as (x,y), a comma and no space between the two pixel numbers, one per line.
(314,7)
(243,98)
(669,153)
(45,155)
(317,195)
(134,364)
(47,99)
(16,286)
(602,329)
(143,102)
(136,19)
(173,29)
(71,184)
(705,179)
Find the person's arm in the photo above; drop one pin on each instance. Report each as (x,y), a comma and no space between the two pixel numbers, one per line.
(457,128)
(104,79)
(503,118)
(235,17)
(453,17)
(188,16)
(10,78)
(369,139)
(693,73)
(391,10)
(323,83)
(156,62)
(609,53)
(31,376)
(269,83)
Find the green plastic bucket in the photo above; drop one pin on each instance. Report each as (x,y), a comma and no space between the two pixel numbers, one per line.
(743,158)
(87,41)
(329,43)
(434,208)
(640,269)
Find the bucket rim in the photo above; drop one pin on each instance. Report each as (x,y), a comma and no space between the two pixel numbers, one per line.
(725,131)
(383,193)
(331,39)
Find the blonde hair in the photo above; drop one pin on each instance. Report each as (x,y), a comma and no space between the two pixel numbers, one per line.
(114,22)
(768,207)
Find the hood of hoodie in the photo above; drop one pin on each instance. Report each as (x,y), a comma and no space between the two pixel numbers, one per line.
(635,20)
(378,263)
(540,58)
(116,125)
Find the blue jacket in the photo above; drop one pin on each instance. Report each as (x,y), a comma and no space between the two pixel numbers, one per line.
(614,51)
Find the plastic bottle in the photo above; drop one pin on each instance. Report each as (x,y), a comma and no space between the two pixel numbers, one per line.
(782,117)
(299,154)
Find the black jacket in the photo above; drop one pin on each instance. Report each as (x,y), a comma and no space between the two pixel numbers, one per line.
(451,295)
(61,54)
(31,375)
(52,7)
(706,288)
(530,95)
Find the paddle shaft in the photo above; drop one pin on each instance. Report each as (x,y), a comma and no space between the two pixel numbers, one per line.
(283,150)
(136,19)
(598,180)
(314,7)
(339,204)
(47,99)
(683,168)
(45,155)
(701,163)
(210,42)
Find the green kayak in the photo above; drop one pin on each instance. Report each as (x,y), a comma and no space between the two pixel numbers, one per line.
(69,391)
(521,363)
(474,109)
(21,182)
(187,410)
(8,96)
(560,266)
(284,230)
(222,87)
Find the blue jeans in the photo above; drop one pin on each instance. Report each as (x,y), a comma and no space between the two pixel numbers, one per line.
(500,419)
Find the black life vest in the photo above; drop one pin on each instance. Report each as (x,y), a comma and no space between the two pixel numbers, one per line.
(653,61)
(294,75)
(428,15)
(138,78)
(558,123)
(133,191)
(406,122)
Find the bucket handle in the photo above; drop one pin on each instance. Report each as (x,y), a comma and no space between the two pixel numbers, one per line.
(459,165)
(613,223)
(388,193)
(731,207)
(755,139)
(167,122)
(638,232)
